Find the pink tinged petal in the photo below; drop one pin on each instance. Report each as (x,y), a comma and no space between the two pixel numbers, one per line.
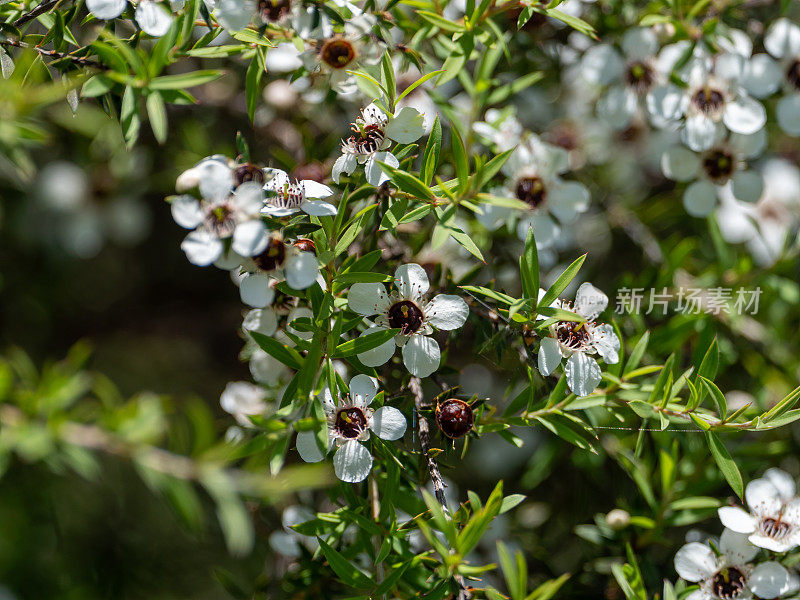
(187,212)
(567,200)
(374,172)
(368,298)
(421,355)
(590,301)
(202,248)
(407,126)
(680,164)
(318,208)
(782,38)
(352,462)
(380,355)
(769,580)
(250,238)
(747,186)
(782,481)
(583,374)
(762,496)
(699,133)
(153,18)
(216,179)
(736,547)
(106,9)
(737,519)
(314,189)
(411,281)
(788,113)
(700,198)
(447,312)
(308,447)
(363,389)
(255,291)
(695,562)
(301,270)
(388,423)
(606,343)
(549,356)
(263,321)
(744,115)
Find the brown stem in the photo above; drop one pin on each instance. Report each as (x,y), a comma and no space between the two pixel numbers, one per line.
(415,386)
(83,62)
(40,9)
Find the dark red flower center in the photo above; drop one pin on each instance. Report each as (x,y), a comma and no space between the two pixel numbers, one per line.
(406,316)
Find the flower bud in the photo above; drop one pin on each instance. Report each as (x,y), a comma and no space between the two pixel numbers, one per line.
(455,418)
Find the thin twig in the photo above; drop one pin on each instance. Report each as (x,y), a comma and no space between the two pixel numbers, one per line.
(78,60)
(415,386)
(40,9)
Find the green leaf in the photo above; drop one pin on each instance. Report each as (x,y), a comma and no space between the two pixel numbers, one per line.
(440,22)
(562,282)
(433,150)
(255,72)
(184,80)
(718,397)
(529,268)
(637,353)
(364,343)
(461,160)
(348,573)
(157,113)
(280,352)
(725,463)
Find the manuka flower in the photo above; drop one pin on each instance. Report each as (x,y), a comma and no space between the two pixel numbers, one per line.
(406,310)
(774,518)
(152,17)
(243,399)
(577,341)
(350,421)
(372,135)
(729,575)
(286,197)
(724,165)
(230,208)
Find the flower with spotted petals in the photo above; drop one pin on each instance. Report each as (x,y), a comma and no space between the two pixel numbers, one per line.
(405,309)
(285,197)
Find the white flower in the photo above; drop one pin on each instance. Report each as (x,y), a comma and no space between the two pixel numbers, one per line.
(350,421)
(287,542)
(405,309)
(242,399)
(774,518)
(723,166)
(286,197)
(729,576)
(151,16)
(534,172)
(338,54)
(766,225)
(628,77)
(501,129)
(372,133)
(230,208)
(579,340)
(714,96)
(277,261)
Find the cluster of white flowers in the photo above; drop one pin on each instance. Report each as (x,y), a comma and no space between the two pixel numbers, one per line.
(725,569)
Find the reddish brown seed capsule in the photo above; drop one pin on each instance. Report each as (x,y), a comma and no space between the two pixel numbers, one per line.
(455,418)
(305,245)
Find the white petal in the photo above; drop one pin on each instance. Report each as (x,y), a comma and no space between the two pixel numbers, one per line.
(411,281)
(380,355)
(301,270)
(447,312)
(298,313)
(363,389)
(680,164)
(769,580)
(314,189)
(589,301)
(187,212)
(666,102)
(153,18)
(421,355)
(352,462)
(729,66)
(308,447)
(388,423)
(346,164)
(544,228)
(368,298)
(255,291)
(106,9)
(788,113)
(583,374)
(744,115)
(567,200)
(736,547)
(747,186)
(782,39)
(749,146)
(640,42)
(248,199)
(762,76)
(407,126)
(695,562)
(201,247)
(737,519)
(601,64)
(606,343)
(374,172)
(328,403)
(549,356)
(263,321)
(617,107)
(319,208)
(699,133)
(235,14)
(250,238)
(700,198)
(762,496)
(782,481)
